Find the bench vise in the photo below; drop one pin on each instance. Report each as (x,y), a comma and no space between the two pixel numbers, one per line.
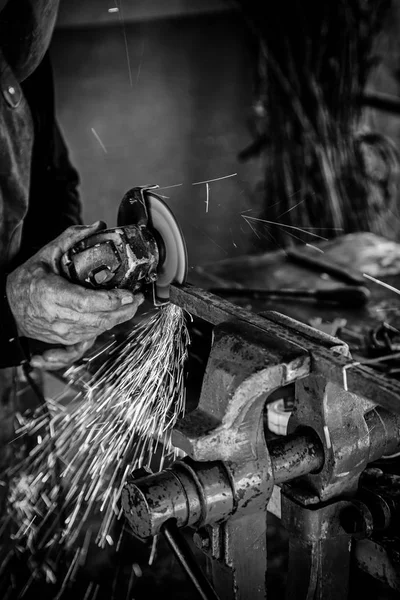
(345,417)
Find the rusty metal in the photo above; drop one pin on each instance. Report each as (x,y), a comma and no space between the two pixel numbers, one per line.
(223,487)
(198,494)
(361,380)
(319,559)
(195,494)
(295,455)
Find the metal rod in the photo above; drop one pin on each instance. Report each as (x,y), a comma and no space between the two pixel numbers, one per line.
(325,265)
(349,296)
(295,455)
(187,560)
(385,102)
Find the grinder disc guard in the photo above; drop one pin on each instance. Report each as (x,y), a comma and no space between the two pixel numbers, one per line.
(141,206)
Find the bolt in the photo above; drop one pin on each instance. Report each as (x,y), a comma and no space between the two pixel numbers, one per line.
(102,276)
(202,540)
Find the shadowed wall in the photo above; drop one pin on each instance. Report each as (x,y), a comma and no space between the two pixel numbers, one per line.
(162,102)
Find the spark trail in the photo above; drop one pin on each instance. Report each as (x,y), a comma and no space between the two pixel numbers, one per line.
(116,425)
(307,230)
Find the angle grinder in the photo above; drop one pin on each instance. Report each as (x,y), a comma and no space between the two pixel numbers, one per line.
(146,251)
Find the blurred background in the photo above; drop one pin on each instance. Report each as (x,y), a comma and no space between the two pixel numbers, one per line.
(158,92)
(165,92)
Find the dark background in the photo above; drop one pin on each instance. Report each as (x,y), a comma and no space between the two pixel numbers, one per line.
(167,87)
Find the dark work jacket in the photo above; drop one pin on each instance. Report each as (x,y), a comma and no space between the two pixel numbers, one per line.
(38,185)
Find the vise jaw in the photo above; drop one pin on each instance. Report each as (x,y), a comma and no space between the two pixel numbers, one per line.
(223,486)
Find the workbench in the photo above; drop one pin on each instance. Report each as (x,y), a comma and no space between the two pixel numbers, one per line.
(365,252)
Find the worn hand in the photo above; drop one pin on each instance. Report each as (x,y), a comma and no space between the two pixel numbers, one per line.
(48,307)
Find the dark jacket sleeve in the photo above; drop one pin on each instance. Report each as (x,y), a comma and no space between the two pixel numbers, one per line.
(13,350)
(54,202)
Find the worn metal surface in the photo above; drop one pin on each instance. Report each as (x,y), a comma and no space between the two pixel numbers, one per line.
(245,366)
(319,551)
(379,560)
(295,455)
(223,488)
(335,367)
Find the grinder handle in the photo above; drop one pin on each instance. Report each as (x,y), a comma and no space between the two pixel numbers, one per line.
(93,261)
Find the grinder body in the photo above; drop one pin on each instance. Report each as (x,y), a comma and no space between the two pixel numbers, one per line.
(119,257)
(145,252)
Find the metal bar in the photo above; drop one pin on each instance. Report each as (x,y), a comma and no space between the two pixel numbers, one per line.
(326,265)
(361,380)
(385,102)
(187,560)
(348,296)
(295,455)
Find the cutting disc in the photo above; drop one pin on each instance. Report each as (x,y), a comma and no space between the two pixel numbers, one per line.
(175,264)
(140,206)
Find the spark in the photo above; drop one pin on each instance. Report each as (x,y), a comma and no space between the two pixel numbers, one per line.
(128,60)
(116,423)
(168,187)
(208,237)
(292,208)
(315,248)
(217,179)
(233,241)
(302,230)
(131,582)
(153,550)
(114,9)
(138,73)
(254,230)
(207,181)
(207,196)
(382,283)
(140,63)
(96,135)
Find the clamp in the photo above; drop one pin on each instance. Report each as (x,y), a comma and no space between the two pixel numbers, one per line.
(231,475)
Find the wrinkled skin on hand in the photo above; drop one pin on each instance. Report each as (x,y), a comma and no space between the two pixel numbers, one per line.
(48,307)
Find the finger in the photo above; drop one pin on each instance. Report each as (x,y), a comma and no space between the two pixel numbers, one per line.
(95,324)
(45,365)
(56,358)
(92,301)
(56,248)
(66,354)
(71,328)
(58,292)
